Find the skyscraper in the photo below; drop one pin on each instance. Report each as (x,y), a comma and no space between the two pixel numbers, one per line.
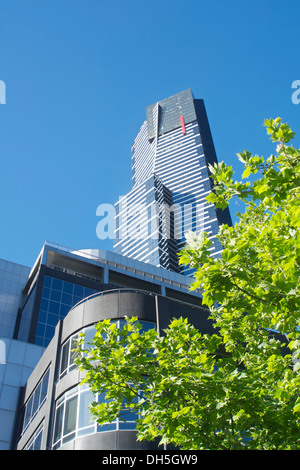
(170,182)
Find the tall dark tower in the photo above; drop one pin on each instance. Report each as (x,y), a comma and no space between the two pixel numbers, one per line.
(170,182)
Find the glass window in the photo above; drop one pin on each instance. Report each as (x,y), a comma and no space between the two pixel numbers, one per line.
(64,310)
(73,418)
(35,401)
(58,423)
(64,358)
(47,281)
(44,304)
(79,291)
(44,388)
(28,412)
(68,355)
(53,307)
(66,299)
(36,440)
(58,297)
(52,319)
(49,332)
(57,284)
(68,287)
(84,419)
(40,330)
(70,415)
(73,354)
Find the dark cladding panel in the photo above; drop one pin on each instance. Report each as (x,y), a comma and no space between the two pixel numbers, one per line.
(171,110)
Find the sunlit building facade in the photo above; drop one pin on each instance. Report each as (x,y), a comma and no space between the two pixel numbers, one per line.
(43,405)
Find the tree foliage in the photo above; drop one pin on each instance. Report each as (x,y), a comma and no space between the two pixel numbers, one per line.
(238,388)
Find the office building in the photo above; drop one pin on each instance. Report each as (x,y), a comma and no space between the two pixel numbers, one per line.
(67,292)
(170,182)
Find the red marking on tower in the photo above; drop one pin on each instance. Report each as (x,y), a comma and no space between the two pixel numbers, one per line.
(182,125)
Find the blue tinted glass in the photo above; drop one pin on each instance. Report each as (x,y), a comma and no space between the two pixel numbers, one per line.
(44,386)
(55,295)
(46,293)
(66,299)
(79,291)
(121,324)
(42,316)
(52,319)
(38,441)
(128,416)
(76,299)
(123,425)
(47,281)
(88,292)
(54,307)
(147,325)
(44,304)
(40,330)
(58,298)
(68,287)
(49,333)
(64,310)
(57,284)
(106,427)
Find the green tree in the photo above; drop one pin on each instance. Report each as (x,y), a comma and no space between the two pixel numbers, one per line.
(238,388)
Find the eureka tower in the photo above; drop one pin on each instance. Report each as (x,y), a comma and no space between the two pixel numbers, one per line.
(170,182)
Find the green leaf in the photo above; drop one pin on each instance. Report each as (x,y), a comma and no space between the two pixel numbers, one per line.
(246,172)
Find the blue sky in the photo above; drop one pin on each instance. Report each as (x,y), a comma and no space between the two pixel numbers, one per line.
(79,75)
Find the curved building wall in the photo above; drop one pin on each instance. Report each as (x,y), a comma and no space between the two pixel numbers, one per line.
(64,398)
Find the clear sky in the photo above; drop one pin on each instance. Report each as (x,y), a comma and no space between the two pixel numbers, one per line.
(79,75)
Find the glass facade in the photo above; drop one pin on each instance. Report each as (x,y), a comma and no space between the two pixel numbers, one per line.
(58,297)
(73,418)
(142,220)
(68,356)
(72,415)
(12,279)
(35,402)
(36,440)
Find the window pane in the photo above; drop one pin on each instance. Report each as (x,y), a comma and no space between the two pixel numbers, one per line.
(54,307)
(28,412)
(55,295)
(57,284)
(44,387)
(89,336)
(73,354)
(38,441)
(68,287)
(58,423)
(85,417)
(64,357)
(36,400)
(130,425)
(66,299)
(106,427)
(69,438)
(79,291)
(70,415)
(47,281)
